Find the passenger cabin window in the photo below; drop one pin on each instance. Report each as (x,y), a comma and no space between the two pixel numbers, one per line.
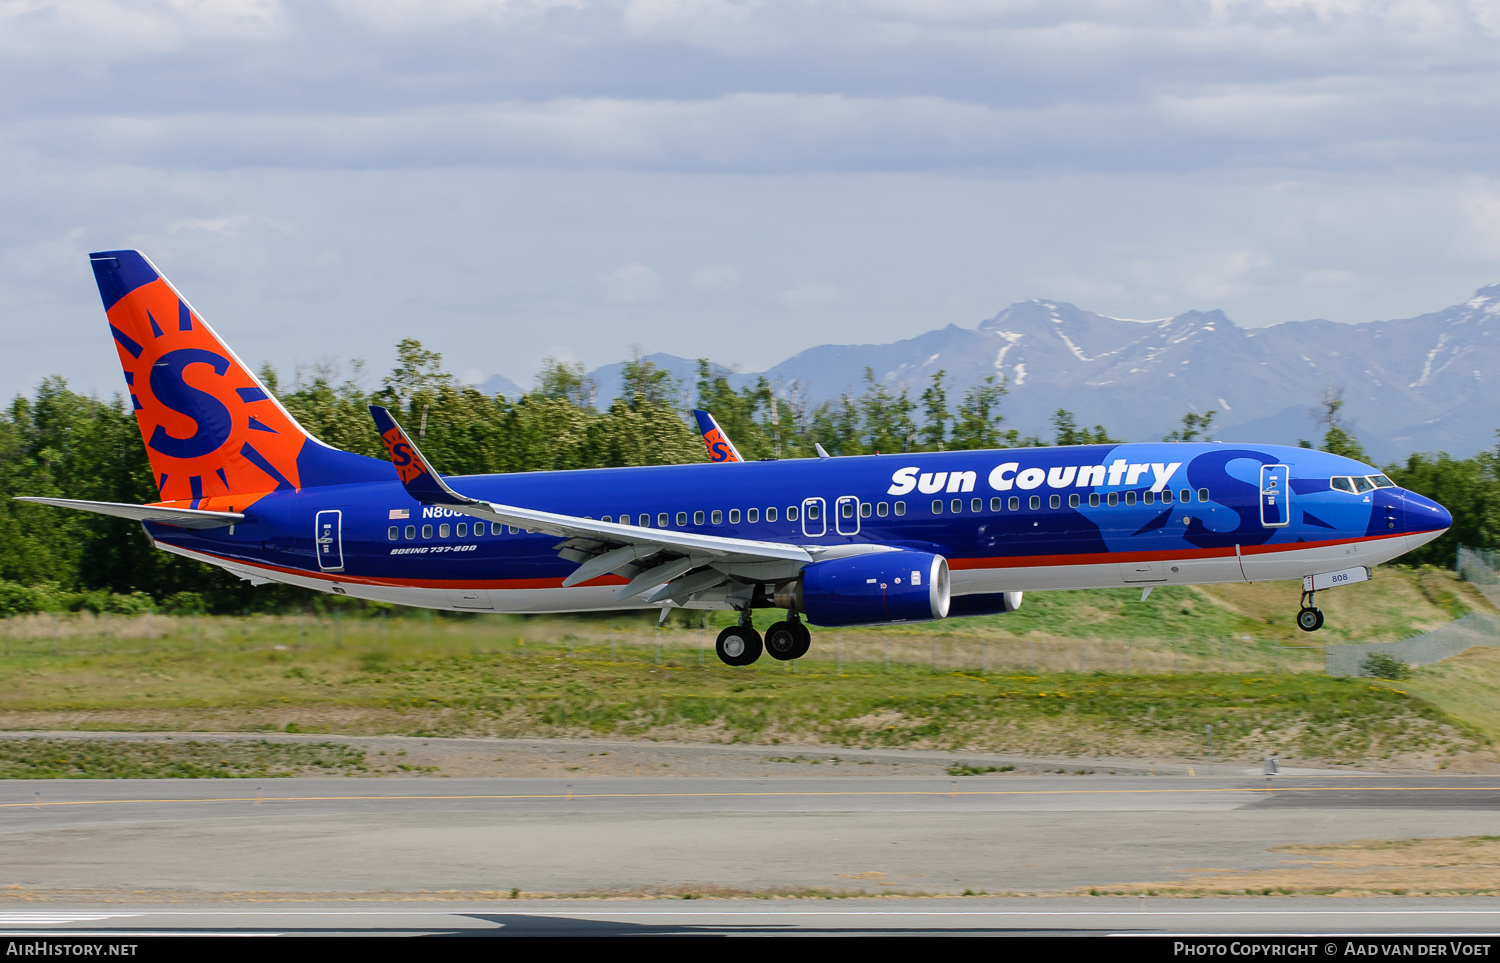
(1114,499)
(1054,501)
(681,519)
(995,503)
(645,521)
(411,531)
(718,517)
(734,516)
(977,505)
(699,518)
(846,509)
(1015,504)
(770,514)
(1185,496)
(443,530)
(496,528)
(901,508)
(752,516)
(1073,501)
(662,519)
(791,513)
(1036,502)
(864,509)
(957,506)
(1362,485)
(426,531)
(513,529)
(1130,498)
(463,530)
(1202,495)
(1380,481)
(937,506)
(1166,497)
(1148,496)
(606,518)
(882,509)
(812,512)
(394,532)
(1093,499)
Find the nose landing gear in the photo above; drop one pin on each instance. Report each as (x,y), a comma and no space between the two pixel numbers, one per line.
(1310,618)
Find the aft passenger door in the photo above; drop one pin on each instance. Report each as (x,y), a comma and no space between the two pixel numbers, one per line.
(329,539)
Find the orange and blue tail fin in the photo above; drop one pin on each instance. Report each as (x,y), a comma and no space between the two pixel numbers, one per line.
(213,433)
(720,448)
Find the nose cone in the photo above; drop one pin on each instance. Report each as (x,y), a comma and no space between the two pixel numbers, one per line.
(1425,515)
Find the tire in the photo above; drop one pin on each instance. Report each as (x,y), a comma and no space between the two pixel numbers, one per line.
(783,641)
(738,646)
(1310,619)
(804,642)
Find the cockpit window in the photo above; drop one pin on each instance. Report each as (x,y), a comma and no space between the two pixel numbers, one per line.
(1362,485)
(1380,481)
(1341,484)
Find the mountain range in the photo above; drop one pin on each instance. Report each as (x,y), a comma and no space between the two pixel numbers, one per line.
(1416,384)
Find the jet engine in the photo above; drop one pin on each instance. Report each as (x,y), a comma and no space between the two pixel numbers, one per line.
(988,603)
(902,586)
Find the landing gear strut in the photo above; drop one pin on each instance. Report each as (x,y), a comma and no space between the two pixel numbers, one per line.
(739,644)
(1310,619)
(788,640)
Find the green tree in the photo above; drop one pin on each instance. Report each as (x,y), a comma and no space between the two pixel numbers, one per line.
(888,426)
(1066,431)
(1338,435)
(1194,425)
(933,435)
(977,423)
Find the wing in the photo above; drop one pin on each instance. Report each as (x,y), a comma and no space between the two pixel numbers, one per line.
(670,566)
(181,517)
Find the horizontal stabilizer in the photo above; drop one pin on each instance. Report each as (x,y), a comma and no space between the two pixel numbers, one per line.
(181,517)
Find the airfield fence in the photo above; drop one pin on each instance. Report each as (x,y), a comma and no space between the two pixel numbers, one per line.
(82,635)
(1481,568)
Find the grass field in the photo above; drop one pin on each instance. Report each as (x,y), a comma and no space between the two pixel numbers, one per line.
(1089,673)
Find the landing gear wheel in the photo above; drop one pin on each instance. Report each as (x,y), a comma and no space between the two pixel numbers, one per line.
(738,645)
(1310,619)
(787,640)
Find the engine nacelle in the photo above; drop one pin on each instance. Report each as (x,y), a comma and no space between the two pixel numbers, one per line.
(871,589)
(989,603)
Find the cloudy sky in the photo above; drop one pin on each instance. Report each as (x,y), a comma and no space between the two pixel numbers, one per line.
(507,179)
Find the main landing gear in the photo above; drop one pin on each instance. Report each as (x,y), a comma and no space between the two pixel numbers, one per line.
(742,645)
(788,640)
(1310,619)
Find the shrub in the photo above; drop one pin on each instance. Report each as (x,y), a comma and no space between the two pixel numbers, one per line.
(1383,666)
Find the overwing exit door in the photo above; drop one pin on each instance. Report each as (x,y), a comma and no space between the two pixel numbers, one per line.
(329,539)
(1275,496)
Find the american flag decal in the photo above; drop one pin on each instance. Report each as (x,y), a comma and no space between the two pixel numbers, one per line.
(399,513)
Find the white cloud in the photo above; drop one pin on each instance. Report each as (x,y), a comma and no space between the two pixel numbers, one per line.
(717,277)
(631,283)
(810,295)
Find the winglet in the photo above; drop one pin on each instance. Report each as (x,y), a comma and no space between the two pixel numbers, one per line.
(720,448)
(421,480)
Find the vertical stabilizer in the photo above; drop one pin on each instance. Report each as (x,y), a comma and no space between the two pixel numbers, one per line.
(720,448)
(211,428)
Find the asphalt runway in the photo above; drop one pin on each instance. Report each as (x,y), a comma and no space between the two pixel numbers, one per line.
(311,839)
(1323,917)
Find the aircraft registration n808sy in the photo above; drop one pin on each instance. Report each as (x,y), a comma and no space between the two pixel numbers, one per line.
(841,541)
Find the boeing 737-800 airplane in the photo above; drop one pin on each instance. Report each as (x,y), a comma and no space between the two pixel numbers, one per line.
(833,541)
